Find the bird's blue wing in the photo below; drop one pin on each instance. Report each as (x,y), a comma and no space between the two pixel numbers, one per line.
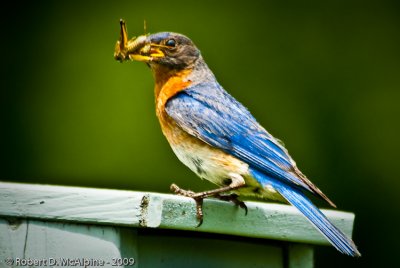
(209,113)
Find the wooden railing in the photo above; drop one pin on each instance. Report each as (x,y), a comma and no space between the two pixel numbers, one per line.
(69,226)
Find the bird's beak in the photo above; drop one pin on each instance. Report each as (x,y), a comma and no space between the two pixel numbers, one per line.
(139,48)
(147,53)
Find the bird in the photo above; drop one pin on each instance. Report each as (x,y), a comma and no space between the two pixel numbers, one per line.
(217,138)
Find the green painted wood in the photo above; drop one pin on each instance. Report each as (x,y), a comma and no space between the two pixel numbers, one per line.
(140,209)
(47,243)
(300,256)
(180,249)
(50,243)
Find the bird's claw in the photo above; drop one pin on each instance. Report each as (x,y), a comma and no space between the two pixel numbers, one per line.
(234,199)
(198,199)
(199,210)
(177,190)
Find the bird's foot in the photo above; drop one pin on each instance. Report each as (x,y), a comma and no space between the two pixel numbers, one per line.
(198,199)
(234,199)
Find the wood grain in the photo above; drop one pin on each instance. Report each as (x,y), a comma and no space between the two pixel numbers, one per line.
(154,210)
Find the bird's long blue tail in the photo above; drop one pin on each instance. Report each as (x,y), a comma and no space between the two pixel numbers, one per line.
(294,196)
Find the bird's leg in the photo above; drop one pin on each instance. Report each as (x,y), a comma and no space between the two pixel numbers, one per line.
(234,199)
(198,197)
(199,201)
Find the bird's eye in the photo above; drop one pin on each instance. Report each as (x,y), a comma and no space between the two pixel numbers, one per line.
(170,43)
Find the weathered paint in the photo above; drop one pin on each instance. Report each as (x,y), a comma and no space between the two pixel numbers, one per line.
(141,209)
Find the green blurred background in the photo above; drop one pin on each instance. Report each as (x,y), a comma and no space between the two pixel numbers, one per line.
(324,77)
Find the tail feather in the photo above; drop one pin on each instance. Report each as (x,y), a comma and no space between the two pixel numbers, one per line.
(295,197)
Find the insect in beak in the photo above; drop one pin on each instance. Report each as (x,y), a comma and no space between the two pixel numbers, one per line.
(138,48)
(124,47)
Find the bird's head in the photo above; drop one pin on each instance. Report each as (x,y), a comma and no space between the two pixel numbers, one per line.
(166,50)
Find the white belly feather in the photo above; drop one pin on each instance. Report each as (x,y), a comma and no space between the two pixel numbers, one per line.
(221,168)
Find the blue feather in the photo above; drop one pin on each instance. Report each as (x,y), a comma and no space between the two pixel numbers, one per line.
(209,113)
(294,196)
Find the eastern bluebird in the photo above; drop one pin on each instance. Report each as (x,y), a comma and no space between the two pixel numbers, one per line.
(217,137)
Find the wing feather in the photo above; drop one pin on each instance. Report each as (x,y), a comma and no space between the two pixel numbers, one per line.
(209,113)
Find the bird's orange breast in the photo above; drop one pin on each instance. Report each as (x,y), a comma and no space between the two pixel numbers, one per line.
(166,87)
